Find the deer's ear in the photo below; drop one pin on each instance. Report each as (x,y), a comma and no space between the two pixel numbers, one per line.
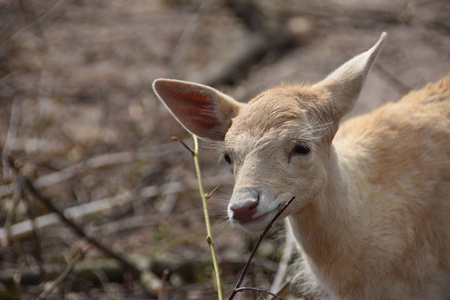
(345,83)
(201,110)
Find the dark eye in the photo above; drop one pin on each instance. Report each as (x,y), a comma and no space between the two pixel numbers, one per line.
(227,158)
(301,149)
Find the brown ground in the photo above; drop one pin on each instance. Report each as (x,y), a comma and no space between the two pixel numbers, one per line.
(75,84)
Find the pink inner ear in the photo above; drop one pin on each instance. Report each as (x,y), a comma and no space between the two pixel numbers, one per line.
(203,110)
(195,106)
(197,116)
(200,108)
(194,109)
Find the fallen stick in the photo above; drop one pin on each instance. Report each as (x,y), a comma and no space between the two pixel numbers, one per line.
(49,203)
(25,228)
(64,274)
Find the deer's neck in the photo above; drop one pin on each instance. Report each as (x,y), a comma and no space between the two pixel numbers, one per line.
(327,229)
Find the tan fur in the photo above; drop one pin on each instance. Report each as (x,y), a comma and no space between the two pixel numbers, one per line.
(390,239)
(371,217)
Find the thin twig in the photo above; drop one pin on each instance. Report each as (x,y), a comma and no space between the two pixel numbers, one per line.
(252,254)
(184,144)
(64,274)
(209,238)
(209,195)
(259,291)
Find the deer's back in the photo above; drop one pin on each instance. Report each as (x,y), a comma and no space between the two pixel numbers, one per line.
(403,143)
(399,158)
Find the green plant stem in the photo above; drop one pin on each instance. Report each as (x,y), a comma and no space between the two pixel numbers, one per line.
(209,238)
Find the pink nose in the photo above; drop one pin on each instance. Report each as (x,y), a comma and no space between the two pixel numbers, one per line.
(245,212)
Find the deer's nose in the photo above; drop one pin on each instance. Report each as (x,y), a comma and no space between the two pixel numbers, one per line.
(244,212)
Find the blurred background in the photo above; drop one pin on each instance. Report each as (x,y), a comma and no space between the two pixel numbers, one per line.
(79,121)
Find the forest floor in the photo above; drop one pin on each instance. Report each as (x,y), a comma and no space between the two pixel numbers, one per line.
(78,118)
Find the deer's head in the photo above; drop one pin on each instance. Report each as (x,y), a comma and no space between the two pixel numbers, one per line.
(279,143)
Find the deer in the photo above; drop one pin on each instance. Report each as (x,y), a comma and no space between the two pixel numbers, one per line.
(371,215)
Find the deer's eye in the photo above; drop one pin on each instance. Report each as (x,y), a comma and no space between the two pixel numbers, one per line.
(227,158)
(302,149)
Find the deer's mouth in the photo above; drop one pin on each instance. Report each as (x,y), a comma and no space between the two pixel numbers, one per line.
(259,223)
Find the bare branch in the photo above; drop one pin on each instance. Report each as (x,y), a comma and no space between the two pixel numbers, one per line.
(252,254)
(49,203)
(184,144)
(64,274)
(209,237)
(259,291)
(209,195)
(25,227)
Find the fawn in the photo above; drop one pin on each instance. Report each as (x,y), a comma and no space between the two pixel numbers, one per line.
(371,217)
